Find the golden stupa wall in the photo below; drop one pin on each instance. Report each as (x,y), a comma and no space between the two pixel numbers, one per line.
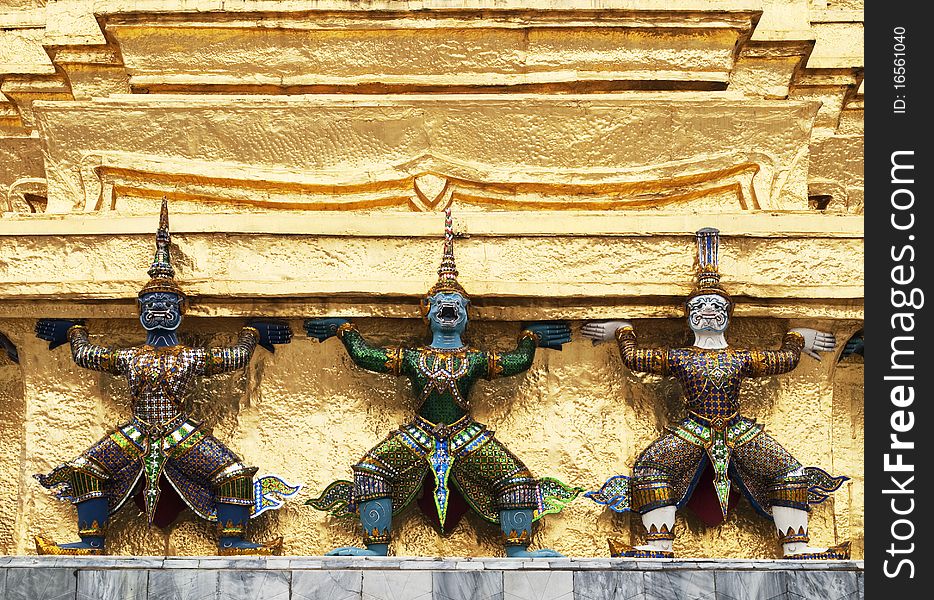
(307,147)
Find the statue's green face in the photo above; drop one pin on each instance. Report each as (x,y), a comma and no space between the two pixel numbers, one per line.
(160,310)
(448,312)
(708,312)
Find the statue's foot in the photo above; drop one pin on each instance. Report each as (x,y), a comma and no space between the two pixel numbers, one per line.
(46,546)
(540,553)
(838,552)
(353,551)
(621,550)
(242,547)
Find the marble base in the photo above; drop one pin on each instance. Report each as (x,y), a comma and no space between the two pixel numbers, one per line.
(401,578)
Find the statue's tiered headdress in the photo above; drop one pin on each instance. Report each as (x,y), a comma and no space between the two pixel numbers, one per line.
(161,273)
(447,272)
(708,268)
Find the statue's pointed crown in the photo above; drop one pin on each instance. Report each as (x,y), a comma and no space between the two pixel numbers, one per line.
(447,272)
(708,267)
(162,273)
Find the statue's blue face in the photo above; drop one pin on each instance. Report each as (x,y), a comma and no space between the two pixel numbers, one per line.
(708,312)
(448,312)
(160,310)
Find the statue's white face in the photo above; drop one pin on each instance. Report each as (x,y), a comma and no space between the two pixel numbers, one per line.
(708,312)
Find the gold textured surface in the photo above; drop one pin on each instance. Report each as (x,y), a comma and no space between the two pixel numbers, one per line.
(306,147)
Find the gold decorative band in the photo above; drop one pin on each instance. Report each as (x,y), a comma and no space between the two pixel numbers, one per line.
(237,490)
(94,528)
(344,328)
(650,494)
(376,536)
(514,538)
(791,536)
(654,534)
(231,529)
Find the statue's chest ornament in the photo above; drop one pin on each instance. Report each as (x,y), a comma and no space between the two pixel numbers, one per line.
(719,371)
(160,372)
(442,371)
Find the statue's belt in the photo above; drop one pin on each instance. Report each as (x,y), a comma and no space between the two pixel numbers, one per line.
(718,436)
(700,431)
(422,435)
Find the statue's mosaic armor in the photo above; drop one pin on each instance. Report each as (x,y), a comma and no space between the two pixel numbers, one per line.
(665,473)
(160,440)
(443,439)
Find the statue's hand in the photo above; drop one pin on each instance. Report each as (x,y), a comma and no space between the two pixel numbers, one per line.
(55,331)
(322,329)
(271,333)
(603,331)
(816,341)
(551,334)
(855,345)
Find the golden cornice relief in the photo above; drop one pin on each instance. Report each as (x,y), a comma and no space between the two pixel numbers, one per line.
(710,151)
(426,184)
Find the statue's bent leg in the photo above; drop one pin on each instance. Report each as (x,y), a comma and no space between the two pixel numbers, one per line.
(97,482)
(217,479)
(774,478)
(92,512)
(499,486)
(661,479)
(386,479)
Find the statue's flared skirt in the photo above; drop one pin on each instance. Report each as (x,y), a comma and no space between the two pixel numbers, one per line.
(465,454)
(192,461)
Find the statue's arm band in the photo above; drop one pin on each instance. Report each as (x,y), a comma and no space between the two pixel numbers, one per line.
(92,356)
(644,360)
(232,358)
(515,361)
(371,358)
(776,362)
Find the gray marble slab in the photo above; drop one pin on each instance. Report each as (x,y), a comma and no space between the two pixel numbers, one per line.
(822,585)
(609,585)
(397,585)
(679,585)
(40,584)
(860,586)
(183,584)
(253,585)
(751,585)
(538,585)
(327,585)
(467,585)
(111,584)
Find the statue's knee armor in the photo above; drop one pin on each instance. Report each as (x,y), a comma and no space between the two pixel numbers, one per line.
(237,489)
(649,491)
(87,479)
(373,477)
(790,490)
(516,492)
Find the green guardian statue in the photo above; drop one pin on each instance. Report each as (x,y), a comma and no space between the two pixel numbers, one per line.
(444,452)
